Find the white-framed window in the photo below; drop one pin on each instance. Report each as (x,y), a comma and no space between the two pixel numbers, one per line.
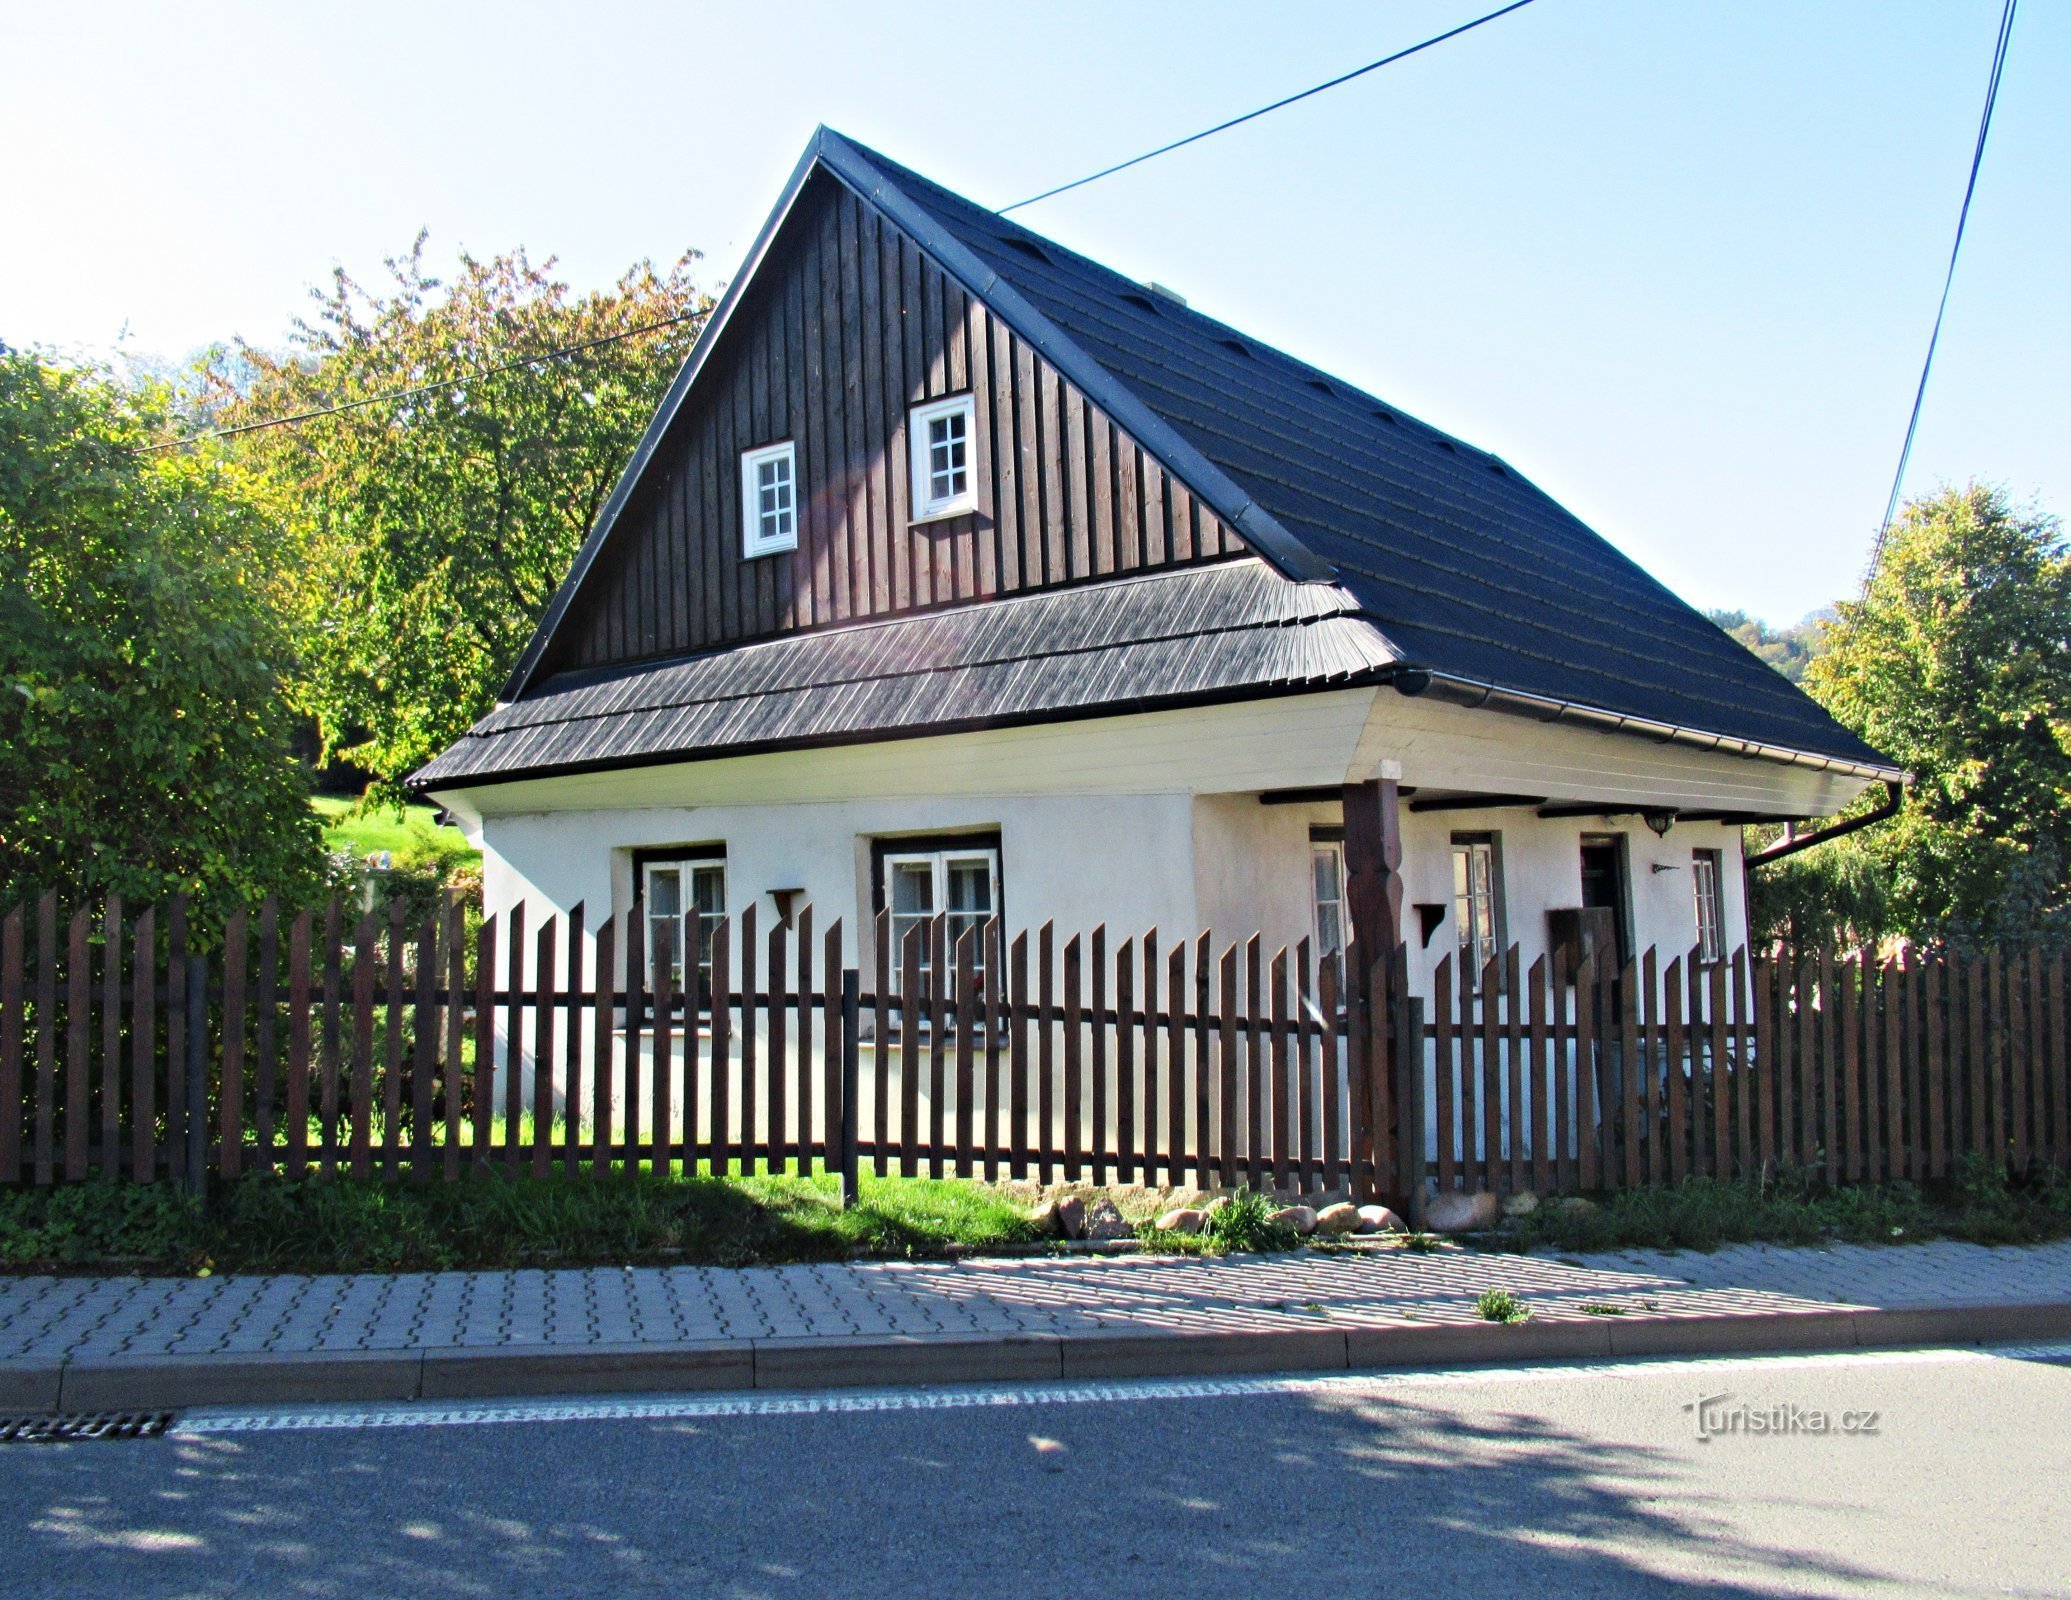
(686,896)
(769,499)
(1327,894)
(944,483)
(960,882)
(1711,904)
(1477,900)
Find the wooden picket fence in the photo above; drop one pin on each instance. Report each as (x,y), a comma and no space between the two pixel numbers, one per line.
(1845,1068)
(317,1042)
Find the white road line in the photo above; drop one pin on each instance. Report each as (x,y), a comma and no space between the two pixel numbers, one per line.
(425,1414)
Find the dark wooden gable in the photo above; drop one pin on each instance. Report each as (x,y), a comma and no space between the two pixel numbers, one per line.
(846,326)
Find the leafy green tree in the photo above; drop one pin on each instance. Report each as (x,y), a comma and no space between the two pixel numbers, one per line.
(434,529)
(1956,662)
(143,737)
(1789,650)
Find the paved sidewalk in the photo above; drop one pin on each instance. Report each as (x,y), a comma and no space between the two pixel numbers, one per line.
(113,1339)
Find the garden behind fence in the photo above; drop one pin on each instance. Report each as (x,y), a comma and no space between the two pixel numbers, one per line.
(314,1042)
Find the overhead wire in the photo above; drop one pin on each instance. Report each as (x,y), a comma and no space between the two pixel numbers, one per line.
(1977,157)
(1252,116)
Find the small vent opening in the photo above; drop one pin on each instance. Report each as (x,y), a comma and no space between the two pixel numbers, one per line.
(1321,387)
(1031,249)
(1237,345)
(1446,445)
(1142,302)
(1384,416)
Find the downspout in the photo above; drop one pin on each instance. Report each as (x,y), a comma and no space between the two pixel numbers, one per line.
(1894,797)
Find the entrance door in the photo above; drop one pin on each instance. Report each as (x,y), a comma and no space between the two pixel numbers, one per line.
(1606,910)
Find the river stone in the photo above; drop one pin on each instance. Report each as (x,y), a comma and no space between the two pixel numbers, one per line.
(1300,1218)
(1183,1219)
(1461,1213)
(1103,1221)
(1379,1219)
(1340,1218)
(1070,1217)
(1521,1204)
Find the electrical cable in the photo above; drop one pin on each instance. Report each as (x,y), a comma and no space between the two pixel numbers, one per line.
(1977,157)
(1223,127)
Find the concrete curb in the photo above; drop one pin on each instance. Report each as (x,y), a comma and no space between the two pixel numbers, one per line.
(140,1383)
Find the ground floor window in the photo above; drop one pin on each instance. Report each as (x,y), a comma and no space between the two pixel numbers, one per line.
(1711,907)
(684,896)
(1477,900)
(1327,890)
(917,880)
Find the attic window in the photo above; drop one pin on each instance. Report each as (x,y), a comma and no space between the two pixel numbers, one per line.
(1030,248)
(943,482)
(769,500)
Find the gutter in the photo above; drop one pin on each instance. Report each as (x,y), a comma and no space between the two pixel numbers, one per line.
(1476,694)
(1894,797)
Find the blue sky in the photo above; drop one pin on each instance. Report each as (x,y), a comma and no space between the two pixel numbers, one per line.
(1675,260)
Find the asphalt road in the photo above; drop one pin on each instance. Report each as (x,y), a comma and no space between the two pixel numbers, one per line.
(1939,1473)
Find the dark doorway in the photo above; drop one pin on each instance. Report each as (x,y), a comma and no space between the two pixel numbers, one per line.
(1604,890)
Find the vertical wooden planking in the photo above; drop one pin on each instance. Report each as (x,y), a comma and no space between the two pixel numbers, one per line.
(1829,1037)
(881,1048)
(455,942)
(266,1087)
(995,975)
(1072,1112)
(1204,1070)
(1536,1068)
(1937,1067)
(569,1113)
(2038,1054)
(1097,949)
(799,1116)
(605,986)
(778,1067)
(1309,1171)
(1633,1068)
(1673,1130)
(485,1042)
(1491,1086)
(392,1048)
(1226,1063)
(230,1084)
(834,1108)
(1333,1120)
(111,1041)
(1513,1050)
(365,964)
(1279,1131)
(1019,1138)
(1176,1065)
(1070,481)
(1700,1153)
(1876,1153)
(1992,1056)
(751,1145)
(661,984)
(78,1019)
(425,1027)
(912,1004)
(14,1001)
(725,1145)
(545,944)
(1591,1123)
(1255,1062)
(2019,1006)
(1125,1062)
(1152,1099)
(143,1060)
(1442,1034)
(939,1023)
(966,1027)
(301,982)
(1721,1097)
(1850,1009)
(1896,1037)
(2059,1075)
(1743,1074)
(332,1065)
(1767,1049)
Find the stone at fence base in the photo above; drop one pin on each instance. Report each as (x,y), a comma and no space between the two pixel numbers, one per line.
(1300,1218)
(1521,1204)
(1340,1218)
(1104,1221)
(1574,1205)
(1379,1219)
(1183,1219)
(1460,1213)
(1069,1217)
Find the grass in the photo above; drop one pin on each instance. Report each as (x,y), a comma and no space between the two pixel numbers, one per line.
(1986,1206)
(268,1224)
(1500,1305)
(411,834)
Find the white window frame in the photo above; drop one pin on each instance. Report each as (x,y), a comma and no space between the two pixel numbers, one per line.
(927,506)
(1708,894)
(1335,850)
(688,868)
(939,862)
(754,540)
(1478,918)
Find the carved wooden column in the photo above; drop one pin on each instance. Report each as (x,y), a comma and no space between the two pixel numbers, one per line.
(1373,912)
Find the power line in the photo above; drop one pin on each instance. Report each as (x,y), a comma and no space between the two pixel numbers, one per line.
(1224,127)
(391,395)
(1977,157)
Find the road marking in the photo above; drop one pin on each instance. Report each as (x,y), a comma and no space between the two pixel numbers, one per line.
(431,1414)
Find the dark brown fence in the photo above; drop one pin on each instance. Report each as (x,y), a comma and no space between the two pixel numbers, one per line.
(326,1042)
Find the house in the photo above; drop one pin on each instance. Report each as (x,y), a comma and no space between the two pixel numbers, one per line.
(956,573)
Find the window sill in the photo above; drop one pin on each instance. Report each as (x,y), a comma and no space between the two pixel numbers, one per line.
(770,550)
(946,514)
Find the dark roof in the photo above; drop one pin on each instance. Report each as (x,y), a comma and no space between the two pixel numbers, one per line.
(1164,639)
(1464,565)
(1458,566)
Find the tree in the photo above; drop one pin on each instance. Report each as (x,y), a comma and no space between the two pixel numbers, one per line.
(1956,663)
(432,530)
(143,737)
(1788,650)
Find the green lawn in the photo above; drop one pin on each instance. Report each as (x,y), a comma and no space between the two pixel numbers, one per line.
(408,833)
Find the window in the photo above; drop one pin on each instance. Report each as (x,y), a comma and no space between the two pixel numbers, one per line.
(943,483)
(1327,891)
(919,879)
(686,896)
(1711,905)
(769,500)
(1477,900)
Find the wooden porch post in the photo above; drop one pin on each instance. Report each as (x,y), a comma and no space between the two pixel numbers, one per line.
(1373,907)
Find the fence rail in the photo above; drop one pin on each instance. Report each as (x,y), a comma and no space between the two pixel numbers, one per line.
(309,1041)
